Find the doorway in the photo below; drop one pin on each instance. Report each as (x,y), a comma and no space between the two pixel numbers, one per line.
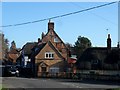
(43,69)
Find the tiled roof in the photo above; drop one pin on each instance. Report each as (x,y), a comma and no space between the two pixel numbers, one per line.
(36,49)
(98,53)
(13,51)
(113,56)
(28,47)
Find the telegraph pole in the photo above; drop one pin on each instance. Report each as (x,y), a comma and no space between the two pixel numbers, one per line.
(1,45)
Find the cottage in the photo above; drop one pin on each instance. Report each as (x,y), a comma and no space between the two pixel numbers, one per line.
(25,57)
(99,58)
(50,54)
(47,56)
(13,54)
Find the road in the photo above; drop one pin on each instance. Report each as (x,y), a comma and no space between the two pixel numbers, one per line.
(15,82)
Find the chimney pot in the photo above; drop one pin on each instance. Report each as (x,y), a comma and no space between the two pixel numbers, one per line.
(109,42)
(50,25)
(118,45)
(39,40)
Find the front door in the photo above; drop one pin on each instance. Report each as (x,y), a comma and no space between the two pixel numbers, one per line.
(43,69)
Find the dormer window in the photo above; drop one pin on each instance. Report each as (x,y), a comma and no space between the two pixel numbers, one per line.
(56,39)
(49,55)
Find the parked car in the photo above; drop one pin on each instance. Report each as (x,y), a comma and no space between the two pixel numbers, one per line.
(13,71)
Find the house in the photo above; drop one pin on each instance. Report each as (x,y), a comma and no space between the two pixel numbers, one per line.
(49,55)
(100,58)
(52,36)
(48,59)
(72,63)
(13,54)
(3,46)
(25,57)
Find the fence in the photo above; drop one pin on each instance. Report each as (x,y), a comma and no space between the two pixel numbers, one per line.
(94,74)
(99,74)
(55,75)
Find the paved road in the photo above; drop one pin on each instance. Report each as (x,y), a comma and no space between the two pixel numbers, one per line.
(15,82)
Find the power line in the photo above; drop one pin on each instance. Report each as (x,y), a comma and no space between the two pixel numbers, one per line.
(95,14)
(68,14)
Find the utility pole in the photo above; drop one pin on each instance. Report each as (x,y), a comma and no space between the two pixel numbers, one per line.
(1,45)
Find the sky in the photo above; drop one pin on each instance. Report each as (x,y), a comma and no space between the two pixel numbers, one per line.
(91,24)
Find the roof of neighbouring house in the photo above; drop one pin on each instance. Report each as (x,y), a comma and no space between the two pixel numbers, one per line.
(72,51)
(28,47)
(98,53)
(72,60)
(94,53)
(13,51)
(38,48)
(113,56)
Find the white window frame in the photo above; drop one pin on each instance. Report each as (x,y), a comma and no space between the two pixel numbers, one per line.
(49,55)
(56,39)
(54,69)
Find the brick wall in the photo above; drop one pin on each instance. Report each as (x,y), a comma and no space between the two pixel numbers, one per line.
(41,55)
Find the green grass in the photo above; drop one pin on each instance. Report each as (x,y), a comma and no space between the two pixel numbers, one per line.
(117,89)
(2,87)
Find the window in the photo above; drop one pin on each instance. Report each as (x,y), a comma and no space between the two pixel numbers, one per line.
(49,55)
(56,39)
(54,70)
(46,55)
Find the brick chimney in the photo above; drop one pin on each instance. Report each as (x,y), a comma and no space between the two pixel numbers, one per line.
(13,45)
(50,25)
(39,41)
(109,42)
(118,45)
(42,36)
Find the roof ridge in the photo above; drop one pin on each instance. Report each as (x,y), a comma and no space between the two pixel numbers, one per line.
(44,44)
(60,38)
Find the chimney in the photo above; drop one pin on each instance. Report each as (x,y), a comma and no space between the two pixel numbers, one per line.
(13,45)
(42,36)
(109,42)
(50,25)
(118,45)
(39,40)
